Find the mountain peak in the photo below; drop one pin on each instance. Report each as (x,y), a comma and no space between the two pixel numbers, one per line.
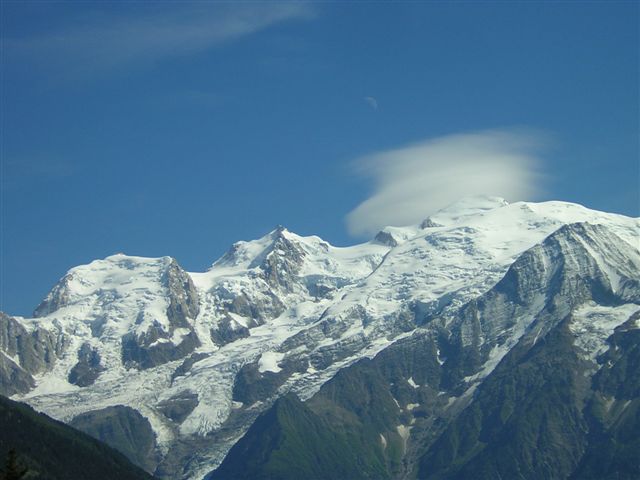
(474,204)
(119,273)
(394,236)
(279,229)
(250,253)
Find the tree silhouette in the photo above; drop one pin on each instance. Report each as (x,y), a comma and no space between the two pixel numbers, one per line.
(12,470)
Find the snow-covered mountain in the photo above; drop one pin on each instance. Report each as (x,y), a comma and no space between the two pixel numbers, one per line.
(194,358)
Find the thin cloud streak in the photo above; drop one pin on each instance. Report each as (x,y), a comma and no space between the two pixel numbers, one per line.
(126,40)
(414,181)
(21,173)
(372,102)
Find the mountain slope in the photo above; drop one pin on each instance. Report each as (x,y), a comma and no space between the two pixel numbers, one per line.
(436,306)
(290,441)
(52,450)
(513,363)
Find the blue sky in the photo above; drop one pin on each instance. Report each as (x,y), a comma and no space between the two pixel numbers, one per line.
(178,128)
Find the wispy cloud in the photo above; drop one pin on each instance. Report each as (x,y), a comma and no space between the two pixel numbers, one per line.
(414,181)
(372,102)
(19,172)
(115,40)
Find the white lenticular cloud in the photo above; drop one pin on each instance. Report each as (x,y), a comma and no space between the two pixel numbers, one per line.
(414,181)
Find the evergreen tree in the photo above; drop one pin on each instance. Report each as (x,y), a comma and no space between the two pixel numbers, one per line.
(12,470)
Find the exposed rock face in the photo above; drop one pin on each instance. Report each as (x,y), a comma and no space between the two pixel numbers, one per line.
(36,351)
(185,366)
(274,274)
(154,348)
(14,379)
(281,265)
(39,352)
(11,333)
(58,297)
(253,385)
(24,354)
(124,429)
(228,330)
(183,297)
(507,417)
(538,291)
(88,368)
(179,407)
(256,308)
(165,342)
(542,413)
(428,223)
(385,238)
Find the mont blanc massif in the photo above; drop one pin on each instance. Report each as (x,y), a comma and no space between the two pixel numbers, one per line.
(490,341)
